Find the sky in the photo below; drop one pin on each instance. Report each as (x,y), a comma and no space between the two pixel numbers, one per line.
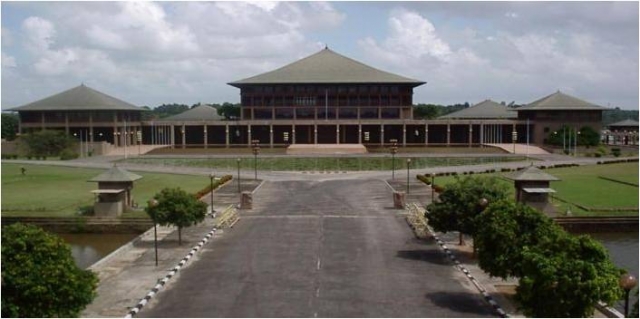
(150,53)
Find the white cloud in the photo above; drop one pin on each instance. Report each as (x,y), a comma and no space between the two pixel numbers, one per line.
(8,61)
(39,33)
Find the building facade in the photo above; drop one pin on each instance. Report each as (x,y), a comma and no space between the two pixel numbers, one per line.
(325,98)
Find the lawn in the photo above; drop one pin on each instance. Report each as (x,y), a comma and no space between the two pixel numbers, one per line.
(345,163)
(54,191)
(584,186)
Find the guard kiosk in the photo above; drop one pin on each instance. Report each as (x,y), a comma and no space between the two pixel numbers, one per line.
(532,188)
(113,195)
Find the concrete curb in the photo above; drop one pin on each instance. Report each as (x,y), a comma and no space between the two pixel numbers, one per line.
(173,271)
(122,249)
(465,271)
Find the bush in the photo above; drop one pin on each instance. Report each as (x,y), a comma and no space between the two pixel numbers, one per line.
(40,277)
(86,210)
(216,184)
(615,152)
(68,154)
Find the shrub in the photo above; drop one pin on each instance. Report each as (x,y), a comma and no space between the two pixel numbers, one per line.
(615,152)
(68,154)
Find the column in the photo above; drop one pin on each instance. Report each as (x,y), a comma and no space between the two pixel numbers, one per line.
(271,135)
(184,136)
(359,132)
(426,134)
(404,134)
(91,127)
(293,133)
(206,138)
(226,135)
(470,134)
(315,133)
(448,134)
(173,136)
(481,133)
(381,134)
(337,133)
(248,135)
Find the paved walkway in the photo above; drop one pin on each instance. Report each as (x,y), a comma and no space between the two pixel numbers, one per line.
(320,249)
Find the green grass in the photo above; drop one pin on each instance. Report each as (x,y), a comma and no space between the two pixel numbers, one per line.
(268,163)
(53,191)
(583,186)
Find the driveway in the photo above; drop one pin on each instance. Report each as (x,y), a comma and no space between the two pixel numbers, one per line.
(319,249)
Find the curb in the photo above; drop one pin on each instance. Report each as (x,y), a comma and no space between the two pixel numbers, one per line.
(485,294)
(166,278)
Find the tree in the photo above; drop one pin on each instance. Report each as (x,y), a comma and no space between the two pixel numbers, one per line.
(48,143)
(166,110)
(565,276)
(426,111)
(588,136)
(40,277)
(459,203)
(503,230)
(229,111)
(177,207)
(9,126)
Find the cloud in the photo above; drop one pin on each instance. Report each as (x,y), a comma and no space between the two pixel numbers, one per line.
(8,61)
(472,64)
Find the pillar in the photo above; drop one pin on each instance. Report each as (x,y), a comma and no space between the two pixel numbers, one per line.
(359,132)
(90,127)
(293,133)
(481,133)
(184,137)
(337,133)
(271,135)
(248,135)
(404,134)
(226,135)
(426,134)
(448,134)
(206,139)
(172,137)
(470,134)
(381,134)
(315,133)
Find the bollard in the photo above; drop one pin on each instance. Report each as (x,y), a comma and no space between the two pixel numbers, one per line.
(398,199)
(246,201)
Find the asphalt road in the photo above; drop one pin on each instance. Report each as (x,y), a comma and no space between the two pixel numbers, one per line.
(319,249)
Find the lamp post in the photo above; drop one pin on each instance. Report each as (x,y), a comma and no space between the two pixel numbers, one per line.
(211,177)
(408,165)
(394,150)
(151,204)
(433,185)
(256,149)
(627,282)
(238,163)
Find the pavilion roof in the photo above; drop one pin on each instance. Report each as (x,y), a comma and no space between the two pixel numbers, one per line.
(560,101)
(532,173)
(627,122)
(202,112)
(326,66)
(79,98)
(487,109)
(116,174)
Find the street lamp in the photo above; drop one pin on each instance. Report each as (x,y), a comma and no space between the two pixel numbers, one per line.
(256,149)
(238,162)
(394,150)
(151,204)
(408,164)
(627,282)
(211,177)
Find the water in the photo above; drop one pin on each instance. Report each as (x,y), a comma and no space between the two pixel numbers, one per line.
(87,249)
(623,250)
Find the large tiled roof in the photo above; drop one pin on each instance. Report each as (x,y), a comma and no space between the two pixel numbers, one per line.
(532,173)
(79,98)
(485,110)
(116,174)
(202,112)
(560,101)
(627,122)
(326,66)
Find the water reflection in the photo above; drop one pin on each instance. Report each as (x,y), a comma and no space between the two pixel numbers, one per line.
(87,249)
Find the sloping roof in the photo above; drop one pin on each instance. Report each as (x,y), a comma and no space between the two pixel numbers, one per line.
(627,122)
(560,101)
(116,174)
(485,110)
(532,173)
(202,112)
(78,98)
(326,66)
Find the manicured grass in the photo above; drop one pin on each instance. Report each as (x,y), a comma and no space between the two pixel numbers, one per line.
(323,163)
(54,191)
(583,186)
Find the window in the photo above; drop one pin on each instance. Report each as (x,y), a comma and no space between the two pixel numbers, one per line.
(305,100)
